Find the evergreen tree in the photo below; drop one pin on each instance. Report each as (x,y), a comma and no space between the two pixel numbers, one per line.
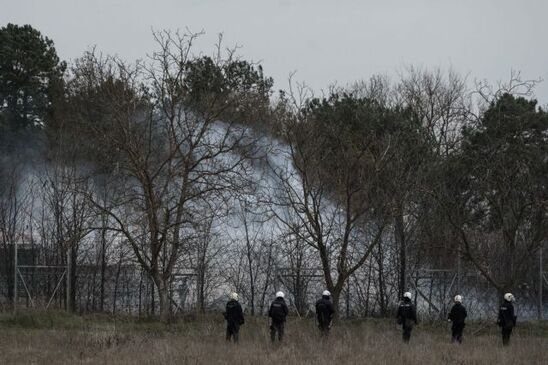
(31,74)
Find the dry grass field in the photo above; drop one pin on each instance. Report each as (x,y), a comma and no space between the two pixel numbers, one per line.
(55,338)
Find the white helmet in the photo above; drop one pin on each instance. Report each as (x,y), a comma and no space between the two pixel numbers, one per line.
(407,295)
(234,296)
(326,293)
(509,297)
(458,298)
(280,294)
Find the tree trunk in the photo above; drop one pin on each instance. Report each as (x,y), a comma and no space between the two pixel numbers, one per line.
(382,291)
(152,297)
(399,232)
(8,269)
(73,276)
(368,290)
(201,287)
(103,267)
(162,285)
(249,257)
(140,292)
(335,298)
(117,278)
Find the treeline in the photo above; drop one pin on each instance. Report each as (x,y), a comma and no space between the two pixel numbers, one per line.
(144,177)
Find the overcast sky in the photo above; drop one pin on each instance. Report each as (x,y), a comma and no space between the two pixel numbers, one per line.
(324,41)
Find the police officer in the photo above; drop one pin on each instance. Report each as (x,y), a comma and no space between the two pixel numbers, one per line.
(407,316)
(277,313)
(324,313)
(507,318)
(234,317)
(457,315)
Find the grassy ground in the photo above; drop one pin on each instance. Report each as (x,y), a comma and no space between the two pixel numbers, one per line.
(58,338)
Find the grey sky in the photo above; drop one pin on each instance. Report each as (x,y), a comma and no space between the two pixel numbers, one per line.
(324,41)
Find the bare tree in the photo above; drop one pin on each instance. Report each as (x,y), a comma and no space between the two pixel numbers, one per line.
(64,191)
(175,156)
(330,184)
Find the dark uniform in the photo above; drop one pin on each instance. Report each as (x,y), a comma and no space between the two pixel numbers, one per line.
(234,319)
(407,318)
(506,321)
(324,314)
(457,315)
(278,313)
